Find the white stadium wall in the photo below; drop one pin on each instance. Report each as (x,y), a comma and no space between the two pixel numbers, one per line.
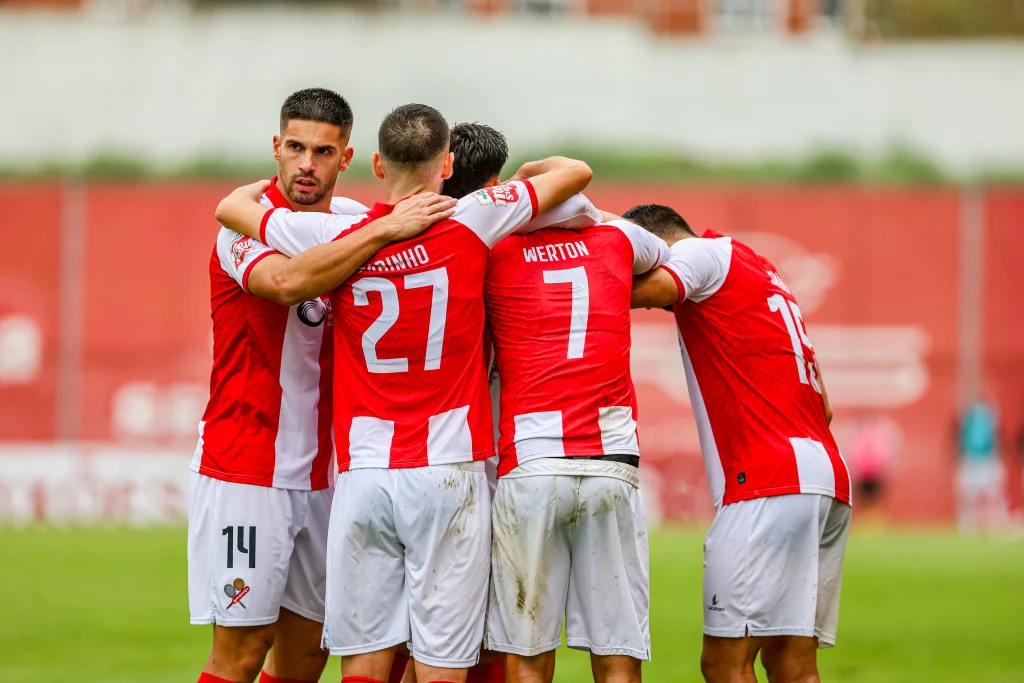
(173,87)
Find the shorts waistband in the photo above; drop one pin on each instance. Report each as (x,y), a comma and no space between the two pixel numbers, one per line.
(631,460)
(576,467)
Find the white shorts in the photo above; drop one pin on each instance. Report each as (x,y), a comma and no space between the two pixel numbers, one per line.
(408,561)
(572,546)
(253,550)
(774,567)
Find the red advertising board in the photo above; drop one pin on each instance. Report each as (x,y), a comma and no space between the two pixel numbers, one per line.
(878,272)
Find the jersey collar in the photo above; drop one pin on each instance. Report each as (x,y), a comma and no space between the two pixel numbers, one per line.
(275,196)
(711,234)
(380,209)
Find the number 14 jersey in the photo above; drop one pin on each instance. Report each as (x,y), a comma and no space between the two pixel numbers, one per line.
(751,375)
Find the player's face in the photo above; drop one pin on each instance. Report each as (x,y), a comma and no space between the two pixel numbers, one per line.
(310,155)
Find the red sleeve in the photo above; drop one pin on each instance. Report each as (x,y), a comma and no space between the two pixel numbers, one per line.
(533,198)
(263,225)
(679,283)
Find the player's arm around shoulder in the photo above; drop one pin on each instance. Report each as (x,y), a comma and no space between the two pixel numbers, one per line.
(321,269)
(554,180)
(649,250)
(286,231)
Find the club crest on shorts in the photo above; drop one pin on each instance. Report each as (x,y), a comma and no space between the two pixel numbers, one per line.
(236,590)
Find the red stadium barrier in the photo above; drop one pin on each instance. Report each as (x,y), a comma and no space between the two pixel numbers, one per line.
(878,272)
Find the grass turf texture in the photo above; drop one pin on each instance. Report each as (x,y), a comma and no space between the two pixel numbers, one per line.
(110,606)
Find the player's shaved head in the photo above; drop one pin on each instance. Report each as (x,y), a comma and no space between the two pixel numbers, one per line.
(412,135)
(480,153)
(317,104)
(663,221)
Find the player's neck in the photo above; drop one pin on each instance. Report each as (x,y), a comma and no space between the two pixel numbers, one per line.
(322,206)
(397,190)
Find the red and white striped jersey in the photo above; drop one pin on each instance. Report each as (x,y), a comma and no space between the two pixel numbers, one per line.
(268,420)
(412,384)
(558,313)
(751,375)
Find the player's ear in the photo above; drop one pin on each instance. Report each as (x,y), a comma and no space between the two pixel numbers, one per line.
(449,166)
(378,166)
(493,181)
(346,159)
(277,147)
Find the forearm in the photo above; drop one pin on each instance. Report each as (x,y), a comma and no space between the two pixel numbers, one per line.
(575,213)
(241,213)
(320,270)
(656,289)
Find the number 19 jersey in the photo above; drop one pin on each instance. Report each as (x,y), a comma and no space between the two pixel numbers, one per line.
(751,375)
(558,312)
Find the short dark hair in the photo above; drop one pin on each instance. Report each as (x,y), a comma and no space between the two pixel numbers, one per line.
(480,153)
(317,104)
(661,220)
(412,134)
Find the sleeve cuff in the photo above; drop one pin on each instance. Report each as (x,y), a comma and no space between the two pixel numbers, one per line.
(263,225)
(533,198)
(679,283)
(248,268)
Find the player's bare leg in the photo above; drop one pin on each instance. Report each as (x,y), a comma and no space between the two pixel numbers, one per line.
(615,668)
(790,659)
(536,669)
(435,674)
(238,651)
(296,653)
(490,669)
(729,660)
(373,665)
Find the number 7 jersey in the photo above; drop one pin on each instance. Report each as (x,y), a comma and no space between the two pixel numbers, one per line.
(558,313)
(751,375)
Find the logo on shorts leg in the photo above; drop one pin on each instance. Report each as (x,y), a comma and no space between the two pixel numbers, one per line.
(714,605)
(236,590)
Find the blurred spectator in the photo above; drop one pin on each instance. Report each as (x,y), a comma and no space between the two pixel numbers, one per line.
(981,477)
(871,454)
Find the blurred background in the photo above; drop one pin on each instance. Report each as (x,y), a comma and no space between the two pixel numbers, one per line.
(872,149)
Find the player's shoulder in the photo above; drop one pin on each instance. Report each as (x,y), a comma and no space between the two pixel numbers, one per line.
(344,206)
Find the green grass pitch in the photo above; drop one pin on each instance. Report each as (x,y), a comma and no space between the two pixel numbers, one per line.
(95,606)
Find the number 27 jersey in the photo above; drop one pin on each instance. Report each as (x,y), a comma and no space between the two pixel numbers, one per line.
(751,375)
(410,381)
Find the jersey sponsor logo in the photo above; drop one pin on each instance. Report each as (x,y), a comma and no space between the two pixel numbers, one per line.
(236,590)
(312,313)
(555,252)
(239,248)
(499,195)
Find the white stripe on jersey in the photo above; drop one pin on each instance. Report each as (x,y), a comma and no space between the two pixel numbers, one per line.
(448,437)
(618,430)
(297,430)
(370,441)
(814,465)
(708,446)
